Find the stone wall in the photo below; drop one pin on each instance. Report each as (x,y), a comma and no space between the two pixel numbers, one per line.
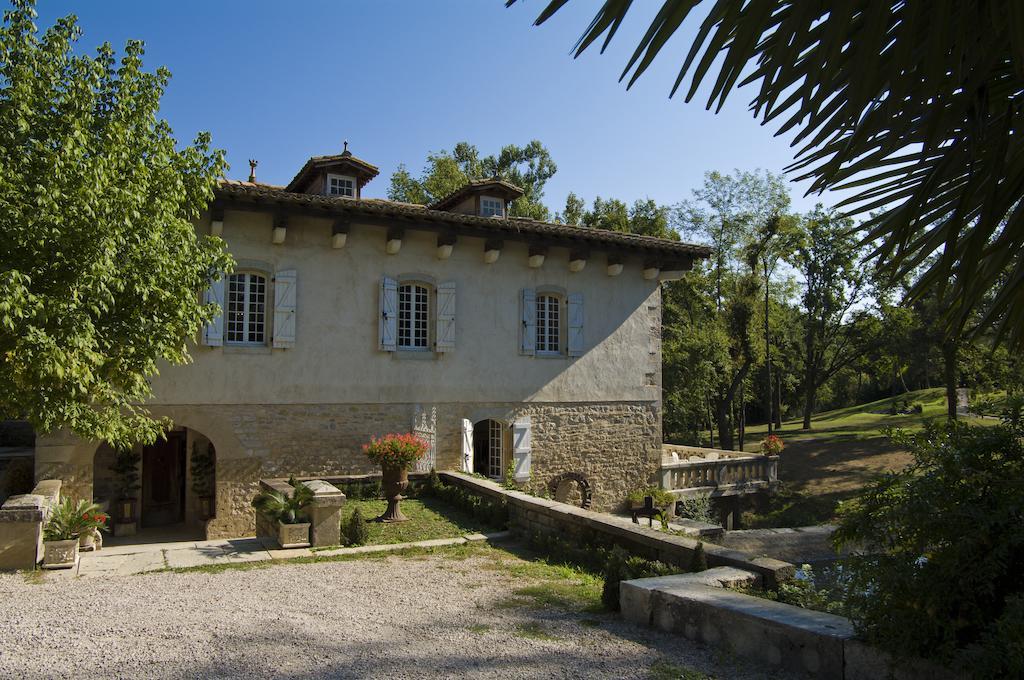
(532,515)
(615,446)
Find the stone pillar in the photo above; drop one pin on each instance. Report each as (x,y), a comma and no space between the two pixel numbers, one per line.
(21,525)
(325,513)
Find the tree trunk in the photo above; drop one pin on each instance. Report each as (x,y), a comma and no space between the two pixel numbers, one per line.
(778,401)
(810,376)
(949,349)
(742,417)
(767,353)
(724,421)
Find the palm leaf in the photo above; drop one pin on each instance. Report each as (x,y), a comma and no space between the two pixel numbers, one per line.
(916,104)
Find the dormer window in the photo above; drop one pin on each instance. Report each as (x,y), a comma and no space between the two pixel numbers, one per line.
(341,185)
(492,207)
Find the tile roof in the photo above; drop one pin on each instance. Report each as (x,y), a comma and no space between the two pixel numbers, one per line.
(511,190)
(515,228)
(367,169)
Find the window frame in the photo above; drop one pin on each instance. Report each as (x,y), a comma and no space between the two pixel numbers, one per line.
(543,323)
(498,201)
(429,302)
(247,314)
(350,178)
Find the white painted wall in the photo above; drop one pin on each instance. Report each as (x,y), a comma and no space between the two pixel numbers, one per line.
(336,360)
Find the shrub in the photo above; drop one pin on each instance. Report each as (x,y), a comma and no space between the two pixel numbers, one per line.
(945,541)
(699,561)
(401,450)
(70,520)
(433,481)
(354,530)
(697,508)
(661,497)
(621,566)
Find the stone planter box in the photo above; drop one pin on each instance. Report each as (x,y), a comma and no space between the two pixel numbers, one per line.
(293,535)
(60,554)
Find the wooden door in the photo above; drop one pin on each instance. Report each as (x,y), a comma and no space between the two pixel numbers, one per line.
(163,481)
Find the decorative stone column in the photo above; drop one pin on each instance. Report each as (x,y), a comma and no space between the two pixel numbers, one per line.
(325,513)
(21,525)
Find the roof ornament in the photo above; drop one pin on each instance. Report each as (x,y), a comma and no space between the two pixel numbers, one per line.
(346,152)
(252,169)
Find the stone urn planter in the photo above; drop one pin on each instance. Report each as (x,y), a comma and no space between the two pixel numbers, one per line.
(60,554)
(395,481)
(89,540)
(293,535)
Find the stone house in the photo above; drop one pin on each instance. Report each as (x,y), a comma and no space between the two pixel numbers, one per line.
(511,345)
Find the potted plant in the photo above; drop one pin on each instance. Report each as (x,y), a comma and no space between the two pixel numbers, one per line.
(771,445)
(126,472)
(661,499)
(89,520)
(289,511)
(395,453)
(60,537)
(202,470)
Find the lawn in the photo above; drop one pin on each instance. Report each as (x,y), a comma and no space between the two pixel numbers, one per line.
(429,518)
(843,451)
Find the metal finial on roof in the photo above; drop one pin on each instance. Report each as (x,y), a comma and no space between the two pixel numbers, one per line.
(346,152)
(252,169)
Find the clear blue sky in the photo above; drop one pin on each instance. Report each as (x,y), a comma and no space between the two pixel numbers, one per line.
(280,82)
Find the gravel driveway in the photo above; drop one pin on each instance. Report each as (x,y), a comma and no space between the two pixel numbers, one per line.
(398,617)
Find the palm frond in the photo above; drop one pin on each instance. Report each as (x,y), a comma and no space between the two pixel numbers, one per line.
(918,104)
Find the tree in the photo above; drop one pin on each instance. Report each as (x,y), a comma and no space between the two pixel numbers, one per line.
(917,108)
(829,260)
(101,266)
(528,167)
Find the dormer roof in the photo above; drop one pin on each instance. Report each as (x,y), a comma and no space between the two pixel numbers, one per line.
(343,163)
(495,186)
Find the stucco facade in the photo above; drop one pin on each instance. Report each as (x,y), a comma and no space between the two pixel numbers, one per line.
(306,409)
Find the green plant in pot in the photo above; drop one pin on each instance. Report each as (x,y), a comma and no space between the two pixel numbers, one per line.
(61,532)
(662,499)
(201,466)
(289,511)
(126,474)
(395,453)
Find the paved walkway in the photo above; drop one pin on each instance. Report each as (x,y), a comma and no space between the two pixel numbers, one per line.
(795,545)
(134,559)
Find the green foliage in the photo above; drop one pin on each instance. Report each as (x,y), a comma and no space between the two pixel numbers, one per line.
(287,508)
(101,266)
(69,519)
(699,562)
(944,541)
(527,167)
(126,471)
(697,508)
(802,592)
(661,497)
(354,530)
(491,510)
(934,160)
(621,566)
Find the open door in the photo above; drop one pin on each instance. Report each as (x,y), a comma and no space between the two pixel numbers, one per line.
(163,481)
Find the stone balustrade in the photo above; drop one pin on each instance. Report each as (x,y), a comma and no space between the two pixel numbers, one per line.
(720,473)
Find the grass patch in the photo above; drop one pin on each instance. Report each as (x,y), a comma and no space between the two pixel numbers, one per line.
(561,586)
(533,631)
(793,509)
(429,518)
(590,623)
(34,576)
(478,628)
(666,670)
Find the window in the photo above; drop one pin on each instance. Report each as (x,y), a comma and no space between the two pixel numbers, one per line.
(548,324)
(340,185)
(492,207)
(494,449)
(413,316)
(246,309)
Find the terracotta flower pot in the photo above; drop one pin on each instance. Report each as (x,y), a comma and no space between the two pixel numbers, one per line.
(395,481)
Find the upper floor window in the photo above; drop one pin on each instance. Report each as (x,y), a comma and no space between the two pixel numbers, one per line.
(341,185)
(246,309)
(492,207)
(413,316)
(549,332)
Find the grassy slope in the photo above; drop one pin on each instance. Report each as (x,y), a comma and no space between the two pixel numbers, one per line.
(429,518)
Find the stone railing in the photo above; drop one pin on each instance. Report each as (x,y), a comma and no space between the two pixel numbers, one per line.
(721,475)
(21,525)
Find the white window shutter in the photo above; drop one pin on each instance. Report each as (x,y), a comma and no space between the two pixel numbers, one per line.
(445,322)
(285,284)
(467,445)
(576,324)
(213,333)
(529,312)
(388,329)
(521,449)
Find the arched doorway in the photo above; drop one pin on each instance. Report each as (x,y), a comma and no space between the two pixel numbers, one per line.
(489,448)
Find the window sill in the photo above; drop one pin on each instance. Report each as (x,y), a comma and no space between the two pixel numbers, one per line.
(550,355)
(247,349)
(414,354)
